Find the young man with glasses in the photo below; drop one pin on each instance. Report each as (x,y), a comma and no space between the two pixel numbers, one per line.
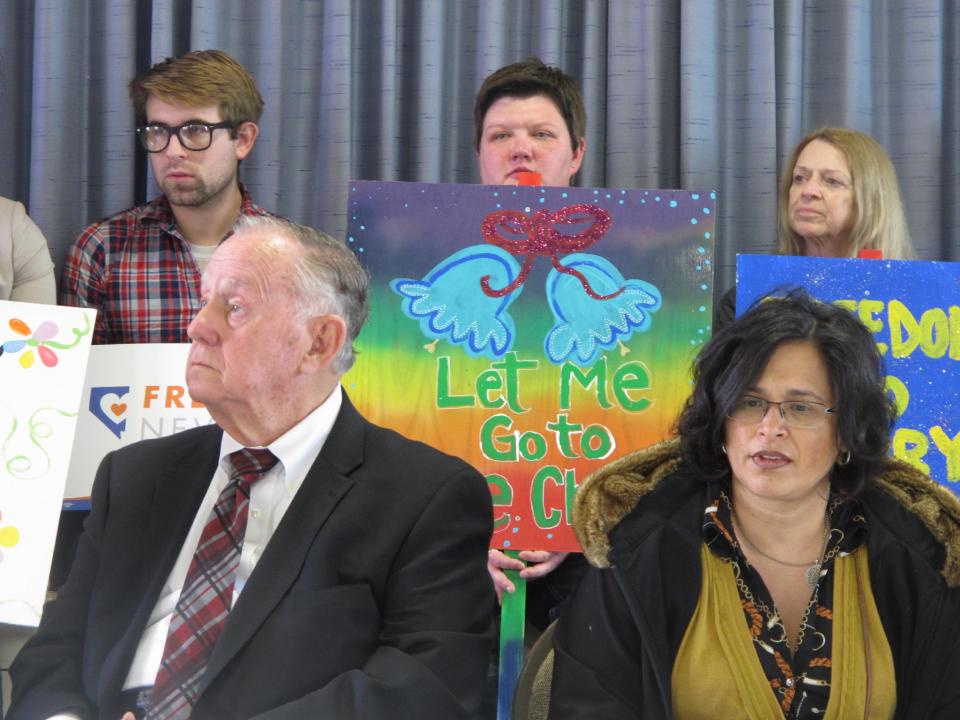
(141,268)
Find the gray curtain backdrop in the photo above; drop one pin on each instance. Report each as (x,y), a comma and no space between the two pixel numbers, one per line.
(694,94)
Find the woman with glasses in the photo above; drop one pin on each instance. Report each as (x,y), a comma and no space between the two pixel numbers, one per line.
(773,560)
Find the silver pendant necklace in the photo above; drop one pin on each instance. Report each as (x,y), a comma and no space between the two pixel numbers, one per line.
(812,573)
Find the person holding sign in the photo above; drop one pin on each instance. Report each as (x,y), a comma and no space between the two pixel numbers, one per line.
(529,118)
(838,197)
(292,561)
(529,123)
(774,560)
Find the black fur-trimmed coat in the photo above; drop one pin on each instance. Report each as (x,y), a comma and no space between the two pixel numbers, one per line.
(639,520)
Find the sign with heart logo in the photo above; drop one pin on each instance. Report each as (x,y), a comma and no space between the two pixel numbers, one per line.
(132,392)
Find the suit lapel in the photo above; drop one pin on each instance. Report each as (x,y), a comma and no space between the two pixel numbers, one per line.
(326,483)
(176,498)
(179,481)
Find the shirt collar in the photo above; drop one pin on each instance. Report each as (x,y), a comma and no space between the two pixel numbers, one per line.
(298,448)
(716,530)
(158,210)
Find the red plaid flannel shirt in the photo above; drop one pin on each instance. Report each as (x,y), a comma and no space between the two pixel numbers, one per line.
(137,271)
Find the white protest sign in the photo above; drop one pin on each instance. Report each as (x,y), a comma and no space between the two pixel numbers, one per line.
(132,392)
(42,365)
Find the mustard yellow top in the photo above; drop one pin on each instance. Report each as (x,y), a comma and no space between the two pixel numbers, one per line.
(717,673)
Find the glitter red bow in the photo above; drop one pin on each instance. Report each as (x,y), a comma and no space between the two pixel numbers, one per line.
(542,238)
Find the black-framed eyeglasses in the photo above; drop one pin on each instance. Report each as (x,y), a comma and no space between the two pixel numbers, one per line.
(795,413)
(193,135)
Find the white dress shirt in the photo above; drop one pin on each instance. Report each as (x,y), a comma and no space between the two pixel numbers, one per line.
(296,450)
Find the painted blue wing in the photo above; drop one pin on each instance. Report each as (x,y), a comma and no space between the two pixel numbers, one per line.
(449,303)
(584,326)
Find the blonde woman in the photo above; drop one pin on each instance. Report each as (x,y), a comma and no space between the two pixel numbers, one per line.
(838,195)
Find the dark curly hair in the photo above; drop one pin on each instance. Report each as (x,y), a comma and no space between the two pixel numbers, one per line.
(737,355)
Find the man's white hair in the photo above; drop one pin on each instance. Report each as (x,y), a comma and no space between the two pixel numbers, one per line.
(328,277)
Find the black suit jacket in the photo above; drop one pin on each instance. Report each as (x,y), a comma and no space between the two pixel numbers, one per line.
(371,600)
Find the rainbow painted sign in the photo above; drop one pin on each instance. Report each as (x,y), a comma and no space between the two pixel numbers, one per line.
(537,333)
(913,310)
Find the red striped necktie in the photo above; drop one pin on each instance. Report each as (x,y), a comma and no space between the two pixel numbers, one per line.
(201,612)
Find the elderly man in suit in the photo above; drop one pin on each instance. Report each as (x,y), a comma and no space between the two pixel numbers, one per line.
(292,560)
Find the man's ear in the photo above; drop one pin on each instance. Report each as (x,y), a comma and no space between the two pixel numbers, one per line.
(246,136)
(328,333)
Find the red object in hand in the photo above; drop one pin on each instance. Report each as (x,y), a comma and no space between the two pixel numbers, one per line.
(871,254)
(529,178)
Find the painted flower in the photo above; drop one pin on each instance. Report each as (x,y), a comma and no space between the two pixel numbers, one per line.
(36,339)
